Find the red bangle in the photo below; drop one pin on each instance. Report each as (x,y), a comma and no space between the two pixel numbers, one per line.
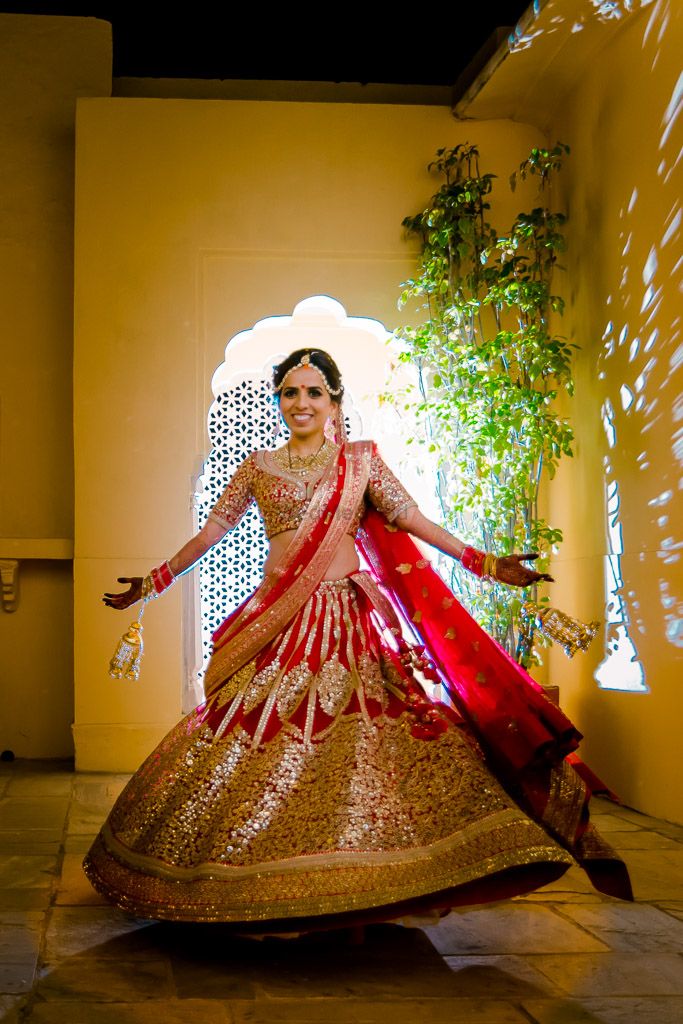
(473,560)
(162,578)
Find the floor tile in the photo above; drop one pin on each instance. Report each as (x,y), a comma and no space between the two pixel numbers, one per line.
(19,943)
(73,888)
(572,886)
(17,977)
(657,877)
(46,784)
(629,927)
(10,1008)
(24,899)
(27,872)
(672,907)
(614,974)
(33,812)
(107,981)
(642,839)
(99,933)
(376,1011)
(501,977)
(156,1011)
(627,1010)
(510,929)
(613,823)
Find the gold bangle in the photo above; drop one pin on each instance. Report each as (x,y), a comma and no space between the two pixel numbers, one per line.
(148,588)
(489,566)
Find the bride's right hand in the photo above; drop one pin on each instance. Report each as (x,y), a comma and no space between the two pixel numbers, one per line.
(128,597)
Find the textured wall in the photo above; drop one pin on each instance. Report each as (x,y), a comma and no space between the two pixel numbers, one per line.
(47,63)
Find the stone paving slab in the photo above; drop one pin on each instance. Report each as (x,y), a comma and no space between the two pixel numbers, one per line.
(629,927)
(35,872)
(627,1010)
(73,887)
(517,929)
(618,974)
(614,823)
(80,843)
(10,1007)
(501,977)
(17,977)
(166,1011)
(656,878)
(573,886)
(24,899)
(98,932)
(672,907)
(20,940)
(106,981)
(33,812)
(641,839)
(41,784)
(375,1011)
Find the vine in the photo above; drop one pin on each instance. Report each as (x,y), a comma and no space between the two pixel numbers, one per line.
(489,369)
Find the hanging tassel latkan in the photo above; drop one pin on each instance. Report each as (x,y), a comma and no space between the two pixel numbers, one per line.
(125,662)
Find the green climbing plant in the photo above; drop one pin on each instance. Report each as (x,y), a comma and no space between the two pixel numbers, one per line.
(489,369)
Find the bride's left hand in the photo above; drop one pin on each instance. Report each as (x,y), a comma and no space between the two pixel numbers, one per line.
(509,569)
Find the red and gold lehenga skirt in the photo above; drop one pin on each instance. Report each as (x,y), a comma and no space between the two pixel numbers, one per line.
(304,793)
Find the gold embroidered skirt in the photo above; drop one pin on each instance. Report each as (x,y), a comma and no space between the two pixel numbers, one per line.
(302,791)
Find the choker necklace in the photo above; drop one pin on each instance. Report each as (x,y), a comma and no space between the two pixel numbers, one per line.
(303,465)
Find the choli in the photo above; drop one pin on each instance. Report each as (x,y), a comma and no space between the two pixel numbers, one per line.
(282,497)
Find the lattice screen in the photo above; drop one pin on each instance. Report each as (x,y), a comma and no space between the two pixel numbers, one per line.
(241,419)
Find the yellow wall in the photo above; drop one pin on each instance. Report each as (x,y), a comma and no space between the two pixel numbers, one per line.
(194,220)
(46,64)
(623,194)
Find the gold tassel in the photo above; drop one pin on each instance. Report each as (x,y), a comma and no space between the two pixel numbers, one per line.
(571,634)
(125,662)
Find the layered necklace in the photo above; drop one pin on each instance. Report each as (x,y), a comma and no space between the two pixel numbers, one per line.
(305,467)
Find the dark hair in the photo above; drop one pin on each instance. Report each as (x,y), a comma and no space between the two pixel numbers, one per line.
(320,360)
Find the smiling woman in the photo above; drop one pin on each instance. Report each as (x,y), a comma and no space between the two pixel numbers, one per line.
(319,784)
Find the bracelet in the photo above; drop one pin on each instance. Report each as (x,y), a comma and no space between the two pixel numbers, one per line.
(159,580)
(479,563)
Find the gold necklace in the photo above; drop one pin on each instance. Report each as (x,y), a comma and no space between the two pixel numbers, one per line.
(304,465)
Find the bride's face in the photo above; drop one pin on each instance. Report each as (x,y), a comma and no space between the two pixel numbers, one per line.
(305,404)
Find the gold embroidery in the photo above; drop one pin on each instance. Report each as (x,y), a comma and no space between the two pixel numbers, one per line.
(450,633)
(368,816)
(404,568)
(566,801)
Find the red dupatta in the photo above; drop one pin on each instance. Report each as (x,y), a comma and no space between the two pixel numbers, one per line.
(283,592)
(528,738)
(508,708)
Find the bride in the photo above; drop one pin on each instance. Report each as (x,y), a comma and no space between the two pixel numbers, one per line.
(318,784)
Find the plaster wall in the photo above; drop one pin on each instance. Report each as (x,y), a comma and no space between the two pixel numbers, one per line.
(622,188)
(194,220)
(47,63)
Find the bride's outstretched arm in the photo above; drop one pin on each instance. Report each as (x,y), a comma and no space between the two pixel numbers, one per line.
(183,560)
(509,568)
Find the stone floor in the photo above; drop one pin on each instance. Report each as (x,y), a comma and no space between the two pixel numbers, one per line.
(564,955)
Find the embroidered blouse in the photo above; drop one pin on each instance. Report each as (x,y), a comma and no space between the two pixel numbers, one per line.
(282,500)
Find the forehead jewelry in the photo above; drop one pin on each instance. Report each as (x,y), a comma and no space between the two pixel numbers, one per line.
(306,361)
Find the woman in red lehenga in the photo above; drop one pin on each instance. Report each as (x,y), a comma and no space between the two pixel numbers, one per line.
(318,785)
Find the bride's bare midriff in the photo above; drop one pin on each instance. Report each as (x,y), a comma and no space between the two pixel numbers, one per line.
(344,561)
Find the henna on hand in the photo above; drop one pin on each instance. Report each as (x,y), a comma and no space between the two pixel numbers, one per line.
(509,570)
(124,600)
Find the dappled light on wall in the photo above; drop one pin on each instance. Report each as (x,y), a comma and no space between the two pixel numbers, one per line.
(639,369)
